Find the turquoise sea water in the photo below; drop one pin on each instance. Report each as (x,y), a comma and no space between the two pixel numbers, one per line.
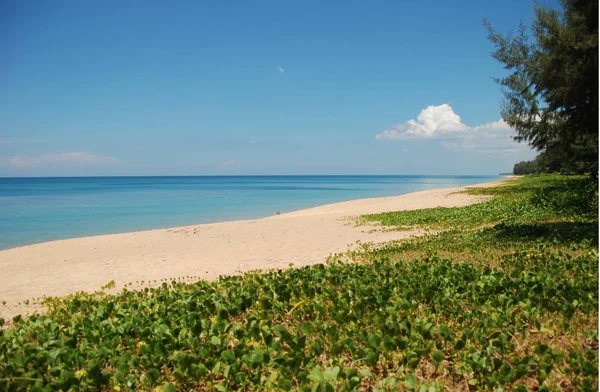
(36,210)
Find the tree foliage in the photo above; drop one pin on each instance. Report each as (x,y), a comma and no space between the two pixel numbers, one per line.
(526,167)
(551,91)
(544,162)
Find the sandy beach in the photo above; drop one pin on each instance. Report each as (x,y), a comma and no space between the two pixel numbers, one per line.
(206,251)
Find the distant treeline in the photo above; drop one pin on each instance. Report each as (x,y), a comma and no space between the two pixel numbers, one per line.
(526,167)
(548,162)
(543,163)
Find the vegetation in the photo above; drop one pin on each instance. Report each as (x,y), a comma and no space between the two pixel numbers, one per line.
(501,295)
(551,92)
(544,162)
(526,167)
(529,199)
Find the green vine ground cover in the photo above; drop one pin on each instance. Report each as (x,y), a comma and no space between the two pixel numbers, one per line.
(504,297)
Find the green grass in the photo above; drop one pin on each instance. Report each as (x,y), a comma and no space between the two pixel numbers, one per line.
(506,296)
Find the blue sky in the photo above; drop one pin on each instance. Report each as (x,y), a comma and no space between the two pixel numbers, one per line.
(253,87)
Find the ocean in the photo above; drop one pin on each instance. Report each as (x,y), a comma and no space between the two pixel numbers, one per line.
(34,210)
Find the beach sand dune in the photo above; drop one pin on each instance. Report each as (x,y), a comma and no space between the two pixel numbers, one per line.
(303,237)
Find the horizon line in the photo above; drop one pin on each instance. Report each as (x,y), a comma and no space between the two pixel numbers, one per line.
(265,175)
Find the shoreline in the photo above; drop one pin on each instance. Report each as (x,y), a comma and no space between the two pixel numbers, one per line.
(506,177)
(204,251)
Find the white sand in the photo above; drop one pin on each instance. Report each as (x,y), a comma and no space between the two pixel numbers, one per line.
(303,237)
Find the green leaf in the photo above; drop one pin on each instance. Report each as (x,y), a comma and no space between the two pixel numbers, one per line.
(306,328)
(438,355)
(151,376)
(279,330)
(168,387)
(285,384)
(316,375)
(410,381)
(589,368)
(331,373)
(273,377)
(257,358)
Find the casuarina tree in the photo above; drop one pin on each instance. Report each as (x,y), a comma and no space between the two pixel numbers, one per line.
(551,90)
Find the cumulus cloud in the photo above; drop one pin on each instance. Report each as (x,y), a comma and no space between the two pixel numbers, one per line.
(280,69)
(75,158)
(432,122)
(441,122)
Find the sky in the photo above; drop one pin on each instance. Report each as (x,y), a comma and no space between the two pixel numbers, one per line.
(253,87)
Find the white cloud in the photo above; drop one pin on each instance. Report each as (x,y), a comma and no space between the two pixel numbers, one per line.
(17,140)
(24,163)
(226,164)
(432,122)
(65,159)
(251,141)
(441,122)
(280,69)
